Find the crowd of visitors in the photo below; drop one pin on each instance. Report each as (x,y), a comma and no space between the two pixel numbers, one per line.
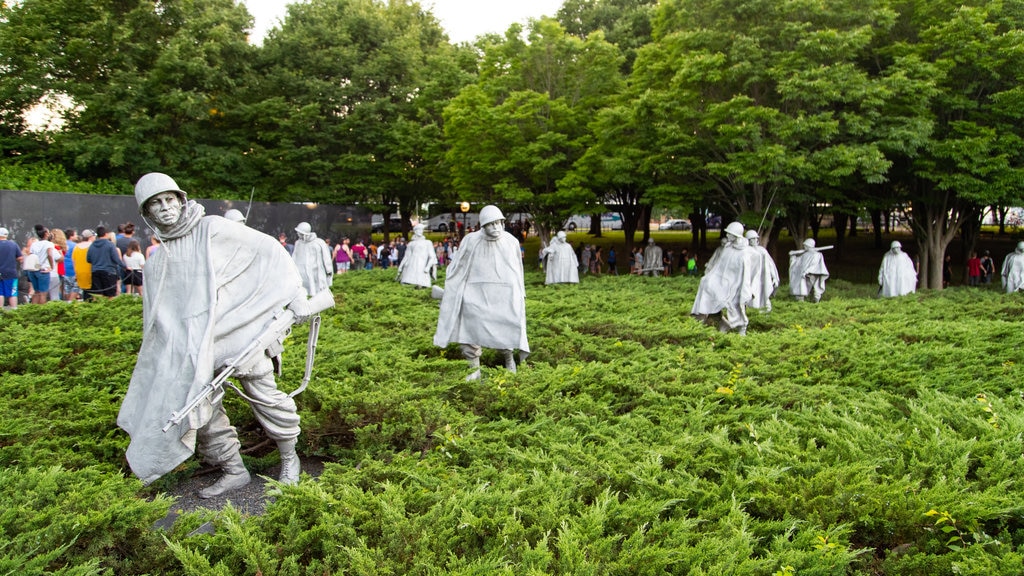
(67,265)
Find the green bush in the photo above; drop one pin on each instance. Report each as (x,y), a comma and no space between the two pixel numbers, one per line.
(853,436)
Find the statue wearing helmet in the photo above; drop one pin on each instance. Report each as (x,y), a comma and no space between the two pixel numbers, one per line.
(653,259)
(313,259)
(214,288)
(897,275)
(1013,270)
(560,263)
(483,303)
(728,285)
(419,265)
(807,271)
(766,274)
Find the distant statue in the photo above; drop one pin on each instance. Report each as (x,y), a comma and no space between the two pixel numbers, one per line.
(312,257)
(807,272)
(219,300)
(766,274)
(1013,270)
(897,275)
(560,263)
(419,265)
(483,303)
(653,264)
(730,284)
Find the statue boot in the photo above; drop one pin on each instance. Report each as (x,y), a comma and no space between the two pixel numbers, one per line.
(290,465)
(235,476)
(474,365)
(510,361)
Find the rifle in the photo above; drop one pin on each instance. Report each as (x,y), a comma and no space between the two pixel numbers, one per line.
(815,249)
(278,329)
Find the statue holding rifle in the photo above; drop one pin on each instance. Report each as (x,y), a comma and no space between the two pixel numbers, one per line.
(807,272)
(220,299)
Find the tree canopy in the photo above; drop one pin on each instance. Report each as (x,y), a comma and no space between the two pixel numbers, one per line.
(767,111)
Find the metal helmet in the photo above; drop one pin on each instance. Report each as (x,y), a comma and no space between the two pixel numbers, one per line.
(303,228)
(809,243)
(490,213)
(895,244)
(752,235)
(154,183)
(735,229)
(418,229)
(1020,247)
(234,215)
(561,235)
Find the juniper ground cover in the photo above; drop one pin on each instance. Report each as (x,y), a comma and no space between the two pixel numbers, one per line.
(855,436)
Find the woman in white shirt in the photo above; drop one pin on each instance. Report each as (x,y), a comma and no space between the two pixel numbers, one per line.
(134,260)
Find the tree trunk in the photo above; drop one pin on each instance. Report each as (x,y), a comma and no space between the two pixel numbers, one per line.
(876,225)
(595,225)
(935,219)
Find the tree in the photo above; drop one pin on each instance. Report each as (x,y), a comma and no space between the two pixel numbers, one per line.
(767,98)
(625,23)
(349,106)
(974,154)
(145,86)
(517,133)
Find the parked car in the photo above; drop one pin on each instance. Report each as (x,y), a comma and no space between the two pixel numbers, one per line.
(377,223)
(675,224)
(449,221)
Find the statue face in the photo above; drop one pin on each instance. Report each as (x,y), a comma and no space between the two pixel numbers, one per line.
(164,209)
(494,229)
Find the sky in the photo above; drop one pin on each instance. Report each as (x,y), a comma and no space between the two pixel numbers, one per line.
(464,20)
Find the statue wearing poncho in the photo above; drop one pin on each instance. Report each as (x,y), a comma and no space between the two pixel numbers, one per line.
(484,300)
(212,288)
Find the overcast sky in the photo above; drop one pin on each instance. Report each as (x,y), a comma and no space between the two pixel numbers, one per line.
(463,19)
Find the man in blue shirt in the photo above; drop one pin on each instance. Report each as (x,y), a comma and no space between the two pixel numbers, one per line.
(10,255)
(106,264)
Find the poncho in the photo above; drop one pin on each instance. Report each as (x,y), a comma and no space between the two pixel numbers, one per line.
(484,300)
(211,289)
(561,266)
(415,267)
(896,275)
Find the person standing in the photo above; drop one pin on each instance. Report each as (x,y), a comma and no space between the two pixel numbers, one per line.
(215,289)
(83,270)
(69,282)
(484,299)
(107,265)
(134,261)
(974,270)
(988,268)
(43,250)
(10,257)
(897,275)
(343,255)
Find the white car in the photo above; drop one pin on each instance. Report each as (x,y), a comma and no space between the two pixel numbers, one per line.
(675,224)
(449,221)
